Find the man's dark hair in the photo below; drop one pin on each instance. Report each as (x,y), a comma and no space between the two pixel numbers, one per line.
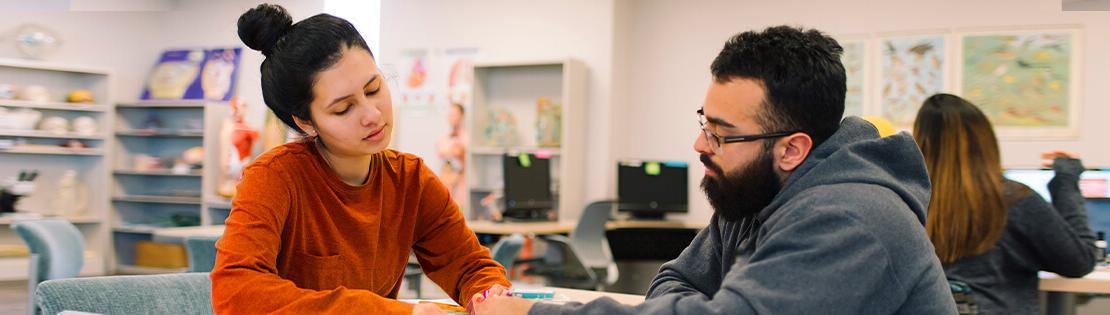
(800,71)
(295,54)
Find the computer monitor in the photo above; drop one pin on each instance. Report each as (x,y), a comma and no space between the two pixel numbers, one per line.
(527,187)
(1093,183)
(650,189)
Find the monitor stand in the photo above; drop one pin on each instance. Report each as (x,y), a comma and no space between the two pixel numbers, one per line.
(530,215)
(648,215)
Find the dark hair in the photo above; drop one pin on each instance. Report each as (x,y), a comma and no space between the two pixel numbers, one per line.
(801,72)
(295,54)
(967,214)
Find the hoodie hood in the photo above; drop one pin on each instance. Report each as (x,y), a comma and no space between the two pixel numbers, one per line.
(856,154)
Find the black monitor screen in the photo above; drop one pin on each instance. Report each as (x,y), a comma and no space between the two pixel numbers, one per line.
(652,186)
(527,182)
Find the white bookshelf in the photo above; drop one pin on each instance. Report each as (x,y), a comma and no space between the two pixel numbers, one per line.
(145,199)
(56,106)
(514,87)
(30,148)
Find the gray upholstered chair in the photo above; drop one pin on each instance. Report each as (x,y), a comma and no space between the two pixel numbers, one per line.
(175,293)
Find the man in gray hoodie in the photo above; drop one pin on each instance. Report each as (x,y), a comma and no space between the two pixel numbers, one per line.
(812,215)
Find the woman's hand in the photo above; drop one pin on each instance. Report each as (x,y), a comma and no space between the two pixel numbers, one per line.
(1049,157)
(502,304)
(427,309)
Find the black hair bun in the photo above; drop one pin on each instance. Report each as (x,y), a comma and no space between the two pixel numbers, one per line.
(261,27)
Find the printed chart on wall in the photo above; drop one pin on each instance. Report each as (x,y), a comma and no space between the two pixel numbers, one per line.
(193,74)
(854,60)
(414,89)
(1025,81)
(911,69)
(459,63)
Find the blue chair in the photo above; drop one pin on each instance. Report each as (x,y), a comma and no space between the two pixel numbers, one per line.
(201,251)
(57,252)
(174,293)
(506,250)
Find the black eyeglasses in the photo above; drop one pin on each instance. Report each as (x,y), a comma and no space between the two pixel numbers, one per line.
(716,142)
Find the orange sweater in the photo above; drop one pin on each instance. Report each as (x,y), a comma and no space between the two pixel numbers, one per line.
(300,240)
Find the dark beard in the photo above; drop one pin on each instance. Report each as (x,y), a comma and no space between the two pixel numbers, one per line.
(741,194)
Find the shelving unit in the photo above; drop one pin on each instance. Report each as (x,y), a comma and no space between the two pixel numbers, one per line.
(26,148)
(145,199)
(514,88)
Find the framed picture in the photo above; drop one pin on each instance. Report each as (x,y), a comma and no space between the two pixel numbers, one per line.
(1026,81)
(910,69)
(856,70)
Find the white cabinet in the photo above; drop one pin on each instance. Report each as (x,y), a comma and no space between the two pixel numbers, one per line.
(507,95)
(24,146)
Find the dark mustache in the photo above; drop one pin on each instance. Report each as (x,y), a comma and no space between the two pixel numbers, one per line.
(710,165)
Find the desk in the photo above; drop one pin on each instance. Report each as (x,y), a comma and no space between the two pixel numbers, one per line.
(1095,282)
(178,234)
(1059,290)
(572,295)
(585,296)
(560,227)
(508,228)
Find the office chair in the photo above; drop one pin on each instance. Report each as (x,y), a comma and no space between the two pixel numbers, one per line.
(965,301)
(173,293)
(201,251)
(506,250)
(584,260)
(57,251)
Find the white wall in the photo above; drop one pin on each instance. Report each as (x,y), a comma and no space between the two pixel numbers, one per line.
(107,40)
(504,30)
(128,36)
(672,44)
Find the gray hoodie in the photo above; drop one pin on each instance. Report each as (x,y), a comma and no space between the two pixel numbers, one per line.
(844,236)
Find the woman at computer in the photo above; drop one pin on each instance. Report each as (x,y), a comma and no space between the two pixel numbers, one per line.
(326,224)
(990,232)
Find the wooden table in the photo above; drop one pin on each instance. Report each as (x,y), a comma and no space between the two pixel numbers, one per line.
(585,296)
(1060,290)
(508,228)
(562,296)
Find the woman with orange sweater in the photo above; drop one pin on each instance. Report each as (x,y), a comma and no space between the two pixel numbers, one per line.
(326,225)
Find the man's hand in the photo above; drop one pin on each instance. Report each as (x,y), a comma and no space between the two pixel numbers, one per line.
(427,309)
(495,290)
(501,304)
